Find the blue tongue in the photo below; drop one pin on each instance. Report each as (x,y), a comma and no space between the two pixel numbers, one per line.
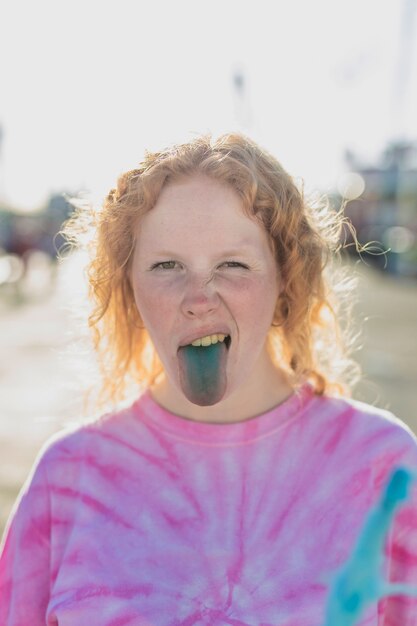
(203,372)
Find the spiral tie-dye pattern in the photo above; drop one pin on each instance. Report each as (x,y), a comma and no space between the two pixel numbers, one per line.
(144,518)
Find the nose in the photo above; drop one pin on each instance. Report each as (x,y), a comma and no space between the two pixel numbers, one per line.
(200,297)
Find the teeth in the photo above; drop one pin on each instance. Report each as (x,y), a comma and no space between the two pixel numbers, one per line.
(208,340)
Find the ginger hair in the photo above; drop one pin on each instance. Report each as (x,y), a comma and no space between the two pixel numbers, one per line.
(311,336)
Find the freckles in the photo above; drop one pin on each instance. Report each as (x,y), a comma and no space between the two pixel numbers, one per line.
(156,302)
(258,296)
(260,286)
(236,283)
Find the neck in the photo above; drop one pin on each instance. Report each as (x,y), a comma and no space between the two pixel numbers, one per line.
(255,396)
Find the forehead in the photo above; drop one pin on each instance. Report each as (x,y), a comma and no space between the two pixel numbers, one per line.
(199,206)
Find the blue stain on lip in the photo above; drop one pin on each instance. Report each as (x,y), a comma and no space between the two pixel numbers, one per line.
(203,372)
(359,582)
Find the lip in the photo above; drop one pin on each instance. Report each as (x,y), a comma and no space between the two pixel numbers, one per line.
(214,330)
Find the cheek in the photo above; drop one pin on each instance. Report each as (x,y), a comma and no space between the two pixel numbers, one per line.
(154,306)
(255,297)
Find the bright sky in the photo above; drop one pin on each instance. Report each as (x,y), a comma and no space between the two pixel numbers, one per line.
(85,85)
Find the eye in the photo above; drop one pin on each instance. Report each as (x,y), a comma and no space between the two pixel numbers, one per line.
(163,265)
(236,264)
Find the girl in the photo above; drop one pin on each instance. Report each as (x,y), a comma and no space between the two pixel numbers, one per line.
(234,486)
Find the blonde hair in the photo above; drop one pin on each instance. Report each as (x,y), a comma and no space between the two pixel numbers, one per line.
(310,338)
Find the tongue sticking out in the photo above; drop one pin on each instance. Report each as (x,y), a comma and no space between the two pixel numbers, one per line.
(203,372)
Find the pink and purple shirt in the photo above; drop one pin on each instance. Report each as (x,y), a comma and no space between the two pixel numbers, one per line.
(144,518)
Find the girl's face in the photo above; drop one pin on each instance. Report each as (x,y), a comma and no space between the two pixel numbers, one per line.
(201,266)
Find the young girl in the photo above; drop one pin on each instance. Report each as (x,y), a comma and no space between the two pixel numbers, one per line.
(235,485)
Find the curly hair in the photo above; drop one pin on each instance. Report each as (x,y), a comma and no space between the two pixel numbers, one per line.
(311,336)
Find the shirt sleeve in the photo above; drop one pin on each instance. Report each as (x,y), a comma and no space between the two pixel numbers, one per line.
(25,556)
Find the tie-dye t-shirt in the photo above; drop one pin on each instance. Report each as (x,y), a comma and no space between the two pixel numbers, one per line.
(146,518)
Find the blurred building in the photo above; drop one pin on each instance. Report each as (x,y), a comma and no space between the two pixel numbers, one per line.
(29,245)
(383,210)
(21,233)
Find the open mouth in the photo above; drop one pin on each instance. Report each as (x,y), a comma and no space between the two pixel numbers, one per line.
(202,368)
(209,340)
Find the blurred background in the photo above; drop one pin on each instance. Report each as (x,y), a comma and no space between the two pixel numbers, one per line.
(329,87)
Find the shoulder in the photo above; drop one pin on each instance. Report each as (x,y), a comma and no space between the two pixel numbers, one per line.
(359,424)
(80,444)
(357,412)
(360,441)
